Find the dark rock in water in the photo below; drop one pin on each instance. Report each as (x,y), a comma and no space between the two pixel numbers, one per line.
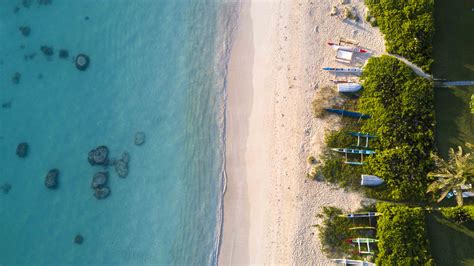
(82,62)
(40,76)
(29,56)
(27,3)
(45,2)
(102,192)
(99,156)
(16,78)
(63,53)
(16,9)
(7,105)
(121,166)
(5,188)
(99,180)
(86,17)
(47,50)
(78,239)
(22,150)
(25,30)
(22,46)
(139,138)
(51,180)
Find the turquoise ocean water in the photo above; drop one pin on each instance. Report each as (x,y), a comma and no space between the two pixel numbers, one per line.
(157,67)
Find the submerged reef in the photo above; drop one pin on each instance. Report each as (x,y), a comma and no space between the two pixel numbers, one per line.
(22,150)
(99,156)
(82,62)
(139,138)
(63,53)
(121,166)
(102,192)
(47,50)
(29,56)
(16,77)
(78,239)
(51,180)
(5,188)
(99,180)
(25,30)
(7,105)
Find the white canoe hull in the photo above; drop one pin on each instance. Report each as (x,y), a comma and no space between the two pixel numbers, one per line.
(371,180)
(348,87)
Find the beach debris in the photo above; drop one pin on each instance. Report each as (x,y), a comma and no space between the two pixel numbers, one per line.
(16,78)
(5,188)
(102,192)
(139,138)
(99,180)
(367,203)
(51,180)
(22,150)
(121,166)
(350,13)
(78,239)
(82,62)
(344,2)
(334,11)
(25,30)
(47,50)
(63,53)
(98,156)
(7,105)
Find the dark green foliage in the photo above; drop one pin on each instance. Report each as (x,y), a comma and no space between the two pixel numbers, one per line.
(408,26)
(401,105)
(460,214)
(402,237)
(334,232)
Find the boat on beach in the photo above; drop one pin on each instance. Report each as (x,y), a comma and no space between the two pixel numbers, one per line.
(371,180)
(360,215)
(347,113)
(352,262)
(344,69)
(336,46)
(348,87)
(353,151)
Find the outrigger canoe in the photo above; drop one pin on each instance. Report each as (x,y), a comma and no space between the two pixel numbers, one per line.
(352,262)
(361,240)
(336,46)
(353,151)
(344,70)
(347,113)
(361,215)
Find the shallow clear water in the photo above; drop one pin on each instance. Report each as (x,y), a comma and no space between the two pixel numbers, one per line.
(157,67)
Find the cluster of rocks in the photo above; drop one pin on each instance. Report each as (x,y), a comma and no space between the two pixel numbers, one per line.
(78,239)
(7,105)
(99,185)
(48,51)
(51,180)
(100,157)
(139,138)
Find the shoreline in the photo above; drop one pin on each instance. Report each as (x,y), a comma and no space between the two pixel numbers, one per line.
(274,72)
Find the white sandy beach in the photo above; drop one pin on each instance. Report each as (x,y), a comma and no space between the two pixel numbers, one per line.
(274,73)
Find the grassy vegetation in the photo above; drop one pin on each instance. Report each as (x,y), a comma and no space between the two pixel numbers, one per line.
(454,122)
(401,105)
(408,27)
(453,53)
(450,242)
(402,236)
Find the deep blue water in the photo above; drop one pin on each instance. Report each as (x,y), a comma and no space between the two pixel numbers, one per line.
(157,67)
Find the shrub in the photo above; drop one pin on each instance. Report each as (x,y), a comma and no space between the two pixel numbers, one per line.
(334,232)
(408,27)
(402,109)
(459,214)
(402,237)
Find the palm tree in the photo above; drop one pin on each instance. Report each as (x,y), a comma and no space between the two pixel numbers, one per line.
(452,174)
